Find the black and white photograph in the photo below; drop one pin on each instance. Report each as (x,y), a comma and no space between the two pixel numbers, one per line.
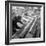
(25,22)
